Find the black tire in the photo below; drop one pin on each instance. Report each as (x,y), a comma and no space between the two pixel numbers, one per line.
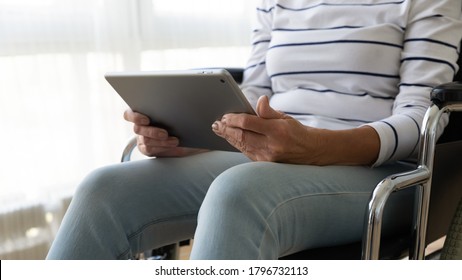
(452,249)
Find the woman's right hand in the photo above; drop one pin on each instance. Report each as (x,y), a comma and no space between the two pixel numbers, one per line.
(154,141)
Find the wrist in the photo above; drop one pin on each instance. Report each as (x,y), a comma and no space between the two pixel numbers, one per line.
(358,146)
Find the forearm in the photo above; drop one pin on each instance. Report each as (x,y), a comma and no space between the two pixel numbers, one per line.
(358,146)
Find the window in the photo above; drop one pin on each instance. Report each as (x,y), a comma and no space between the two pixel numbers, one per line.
(59,119)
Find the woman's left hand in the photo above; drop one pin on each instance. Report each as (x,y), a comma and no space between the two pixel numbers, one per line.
(277,137)
(270,136)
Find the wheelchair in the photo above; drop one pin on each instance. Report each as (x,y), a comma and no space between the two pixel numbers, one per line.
(436,178)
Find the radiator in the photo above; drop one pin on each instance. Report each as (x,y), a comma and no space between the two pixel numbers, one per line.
(27,230)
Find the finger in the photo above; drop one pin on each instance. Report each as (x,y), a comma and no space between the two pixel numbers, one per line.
(232,134)
(167,143)
(136,117)
(176,151)
(150,151)
(262,124)
(150,147)
(244,140)
(151,132)
(265,111)
(247,122)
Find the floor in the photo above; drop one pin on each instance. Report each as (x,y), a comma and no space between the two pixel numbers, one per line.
(435,246)
(185,251)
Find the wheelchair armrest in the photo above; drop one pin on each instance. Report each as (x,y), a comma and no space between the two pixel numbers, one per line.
(127,152)
(447,94)
(237,73)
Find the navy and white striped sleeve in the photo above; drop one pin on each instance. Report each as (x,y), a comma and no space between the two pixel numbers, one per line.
(431,48)
(256,82)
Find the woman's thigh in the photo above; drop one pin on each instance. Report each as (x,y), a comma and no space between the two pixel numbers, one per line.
(266,210)
(126,208)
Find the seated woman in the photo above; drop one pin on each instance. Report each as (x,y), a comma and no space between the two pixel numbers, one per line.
(340,90)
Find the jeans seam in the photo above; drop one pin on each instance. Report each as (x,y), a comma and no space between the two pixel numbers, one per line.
(268,228)
(148,224)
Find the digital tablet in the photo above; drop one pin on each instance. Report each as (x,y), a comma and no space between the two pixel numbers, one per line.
(185,103)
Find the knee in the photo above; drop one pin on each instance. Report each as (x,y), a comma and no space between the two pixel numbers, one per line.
(237,190)
(233,215)
(100,187)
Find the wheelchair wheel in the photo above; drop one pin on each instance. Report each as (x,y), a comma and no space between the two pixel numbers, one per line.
(452,249)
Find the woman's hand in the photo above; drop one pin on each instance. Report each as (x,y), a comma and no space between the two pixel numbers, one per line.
(270,136)
(155,141)
(277,137)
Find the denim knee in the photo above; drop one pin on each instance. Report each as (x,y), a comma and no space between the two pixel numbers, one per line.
(98,188)
(239,187)
(232,219)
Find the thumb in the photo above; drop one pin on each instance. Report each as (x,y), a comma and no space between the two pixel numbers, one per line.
(265,111)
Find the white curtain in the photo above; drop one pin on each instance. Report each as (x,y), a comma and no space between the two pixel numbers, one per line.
(59,119)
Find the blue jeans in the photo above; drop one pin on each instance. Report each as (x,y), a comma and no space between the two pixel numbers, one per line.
(232,207)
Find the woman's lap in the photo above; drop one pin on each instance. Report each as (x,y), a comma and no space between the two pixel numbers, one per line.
(272,209)
(258,209)
(127,208)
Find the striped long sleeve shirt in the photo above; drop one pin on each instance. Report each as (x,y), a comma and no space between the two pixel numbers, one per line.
(340,64)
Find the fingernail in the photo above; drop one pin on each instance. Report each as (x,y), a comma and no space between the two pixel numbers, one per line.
(162,134)
(145,121)
(215,126)
(173,142)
